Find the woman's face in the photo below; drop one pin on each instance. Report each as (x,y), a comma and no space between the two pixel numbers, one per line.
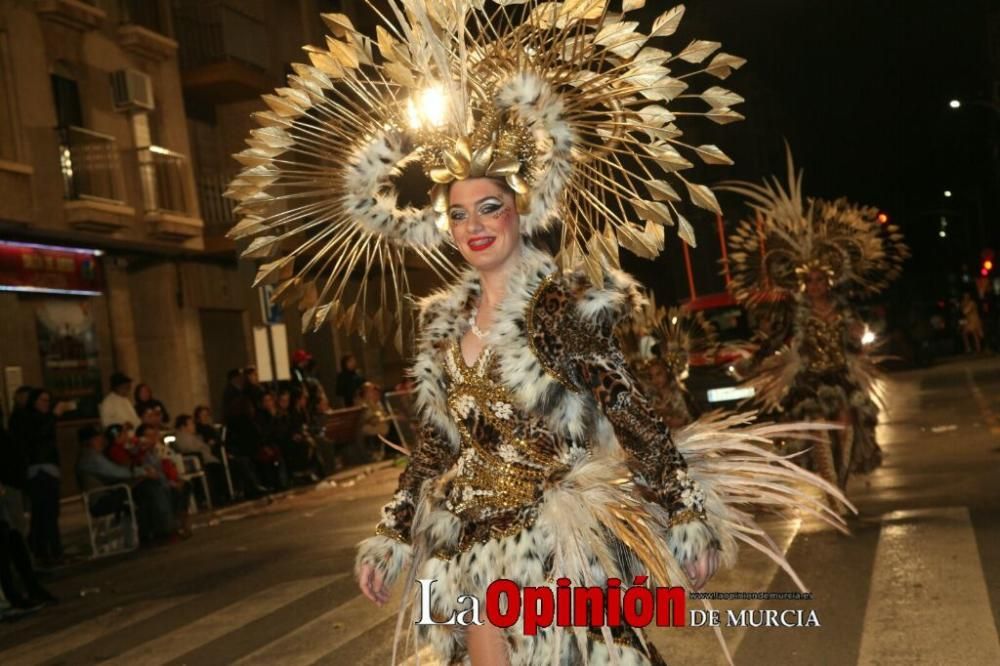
(284,400)
(484,222)
(145,393)
(658,376)
(204,417)
(43,403)
(816,285)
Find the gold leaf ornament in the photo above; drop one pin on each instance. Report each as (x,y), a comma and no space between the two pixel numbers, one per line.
(667,22)
(703,197)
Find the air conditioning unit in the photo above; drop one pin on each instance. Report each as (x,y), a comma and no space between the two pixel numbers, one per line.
(132,90)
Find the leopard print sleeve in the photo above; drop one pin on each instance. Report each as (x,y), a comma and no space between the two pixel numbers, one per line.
(432,457)
(639,429)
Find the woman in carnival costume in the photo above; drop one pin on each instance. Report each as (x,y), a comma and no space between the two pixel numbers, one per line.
(539,458)
(659,343)
(814,256)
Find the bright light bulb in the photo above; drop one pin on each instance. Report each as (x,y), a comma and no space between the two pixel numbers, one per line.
(947,193)
(943,233)
(673,320)
(955,104)
(428,109)
(868,337)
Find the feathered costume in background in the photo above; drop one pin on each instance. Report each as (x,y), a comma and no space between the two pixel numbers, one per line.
(542,460)
(816,369)
(659,343)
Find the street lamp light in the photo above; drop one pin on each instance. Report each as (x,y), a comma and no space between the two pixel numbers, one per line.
(955,104)
(947,194)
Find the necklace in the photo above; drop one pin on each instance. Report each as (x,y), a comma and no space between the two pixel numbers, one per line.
(476,331)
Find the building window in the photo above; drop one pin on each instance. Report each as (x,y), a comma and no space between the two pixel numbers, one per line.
(66,93)
(8,108)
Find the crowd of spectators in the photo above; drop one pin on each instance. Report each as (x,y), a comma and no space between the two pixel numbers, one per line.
(272,437)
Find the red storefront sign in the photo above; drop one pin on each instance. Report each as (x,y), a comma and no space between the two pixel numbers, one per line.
(49,269)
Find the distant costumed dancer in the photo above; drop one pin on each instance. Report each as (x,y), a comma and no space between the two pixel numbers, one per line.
(815,256)
(659,342)
(539,458)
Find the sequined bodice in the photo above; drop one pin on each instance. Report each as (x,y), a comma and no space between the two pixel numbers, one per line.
(823,345)
(506,454)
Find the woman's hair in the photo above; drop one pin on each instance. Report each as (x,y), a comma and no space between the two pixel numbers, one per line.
(198,410)
(137,394)
(35,395)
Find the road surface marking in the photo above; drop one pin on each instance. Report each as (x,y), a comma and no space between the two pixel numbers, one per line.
(984,405)
(46,647)
(323,634)
(211,627)
(928,602)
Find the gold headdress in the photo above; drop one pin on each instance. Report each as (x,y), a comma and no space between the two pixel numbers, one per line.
(568,102)
(793,236)
(670,335)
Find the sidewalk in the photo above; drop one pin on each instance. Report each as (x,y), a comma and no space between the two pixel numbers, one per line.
(76,538)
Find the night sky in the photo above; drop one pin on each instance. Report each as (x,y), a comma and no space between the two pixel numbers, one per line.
(859,89)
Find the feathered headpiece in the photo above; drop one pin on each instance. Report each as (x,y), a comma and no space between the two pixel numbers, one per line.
(793,236)
(568,102)
(670,335)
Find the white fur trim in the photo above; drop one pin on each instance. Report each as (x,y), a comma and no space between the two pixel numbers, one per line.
(387,555)
(689,540)
(370,197)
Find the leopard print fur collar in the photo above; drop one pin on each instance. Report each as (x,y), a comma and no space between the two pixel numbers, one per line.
(535,383)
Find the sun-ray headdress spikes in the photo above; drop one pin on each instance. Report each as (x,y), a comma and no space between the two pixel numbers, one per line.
(792,235)
(569,103)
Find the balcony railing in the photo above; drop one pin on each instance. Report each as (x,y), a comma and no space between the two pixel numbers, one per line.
(90,165)
(145,13)
(163,174)
(216,210)
(210,31)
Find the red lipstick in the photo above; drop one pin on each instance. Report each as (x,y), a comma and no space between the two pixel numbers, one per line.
(480,243)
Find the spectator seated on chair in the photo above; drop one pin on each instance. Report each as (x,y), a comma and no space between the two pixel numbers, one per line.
(271,463)
(242,438)
(289,430)
(149,450)
(94,470)
(188,442)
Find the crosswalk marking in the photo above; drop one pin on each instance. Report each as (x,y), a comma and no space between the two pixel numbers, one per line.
(51,645)
(928,601)
(216,625)
(927,581)
(323,634)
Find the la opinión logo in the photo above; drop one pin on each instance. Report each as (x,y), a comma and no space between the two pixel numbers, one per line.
(567,606)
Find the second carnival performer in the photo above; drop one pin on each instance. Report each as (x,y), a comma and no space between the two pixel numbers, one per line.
(798,265)
(539,459)
(659,343)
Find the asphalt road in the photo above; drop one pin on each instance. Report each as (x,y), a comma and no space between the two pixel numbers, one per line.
(917,582)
